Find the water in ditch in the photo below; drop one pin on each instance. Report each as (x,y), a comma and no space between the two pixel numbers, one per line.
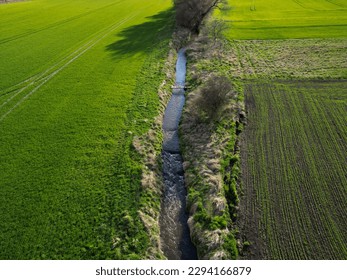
(174,230)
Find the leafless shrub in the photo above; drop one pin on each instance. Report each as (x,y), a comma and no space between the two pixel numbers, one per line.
(215,28)
(212,98)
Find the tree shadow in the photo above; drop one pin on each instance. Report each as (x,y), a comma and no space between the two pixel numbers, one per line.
(143,37)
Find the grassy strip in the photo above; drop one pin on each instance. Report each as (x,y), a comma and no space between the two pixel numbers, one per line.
(281,59)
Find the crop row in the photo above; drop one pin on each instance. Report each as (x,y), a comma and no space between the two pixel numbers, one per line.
(294,148)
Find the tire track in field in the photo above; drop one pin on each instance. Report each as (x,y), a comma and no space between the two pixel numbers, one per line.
(14,88)
(47,75)
(39,76)
(336,4)
(55,24)
(300,4)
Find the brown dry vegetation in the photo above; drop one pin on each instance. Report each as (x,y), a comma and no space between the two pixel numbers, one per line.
(149,147)
(210,155)
(205,147)
(273,59)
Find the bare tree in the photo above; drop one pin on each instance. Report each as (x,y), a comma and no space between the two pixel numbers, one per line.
(190,13)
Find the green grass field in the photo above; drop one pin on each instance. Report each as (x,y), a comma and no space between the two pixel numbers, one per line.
(78,80)
(275,19)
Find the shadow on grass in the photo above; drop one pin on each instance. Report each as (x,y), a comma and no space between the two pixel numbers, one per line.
(143,37)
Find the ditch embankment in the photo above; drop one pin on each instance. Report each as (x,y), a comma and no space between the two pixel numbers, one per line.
(211,159)
(174,231)
(197,174)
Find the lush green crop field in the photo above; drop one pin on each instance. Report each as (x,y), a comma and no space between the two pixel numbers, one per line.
(294,168)
(276,19)
(78,80)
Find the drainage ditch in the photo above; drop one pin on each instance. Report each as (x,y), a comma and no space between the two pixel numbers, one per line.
(174,230)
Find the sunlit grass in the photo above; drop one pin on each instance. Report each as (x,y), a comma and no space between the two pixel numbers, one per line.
(73,93)
(274,19)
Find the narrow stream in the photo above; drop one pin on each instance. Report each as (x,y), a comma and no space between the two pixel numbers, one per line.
(174,231)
